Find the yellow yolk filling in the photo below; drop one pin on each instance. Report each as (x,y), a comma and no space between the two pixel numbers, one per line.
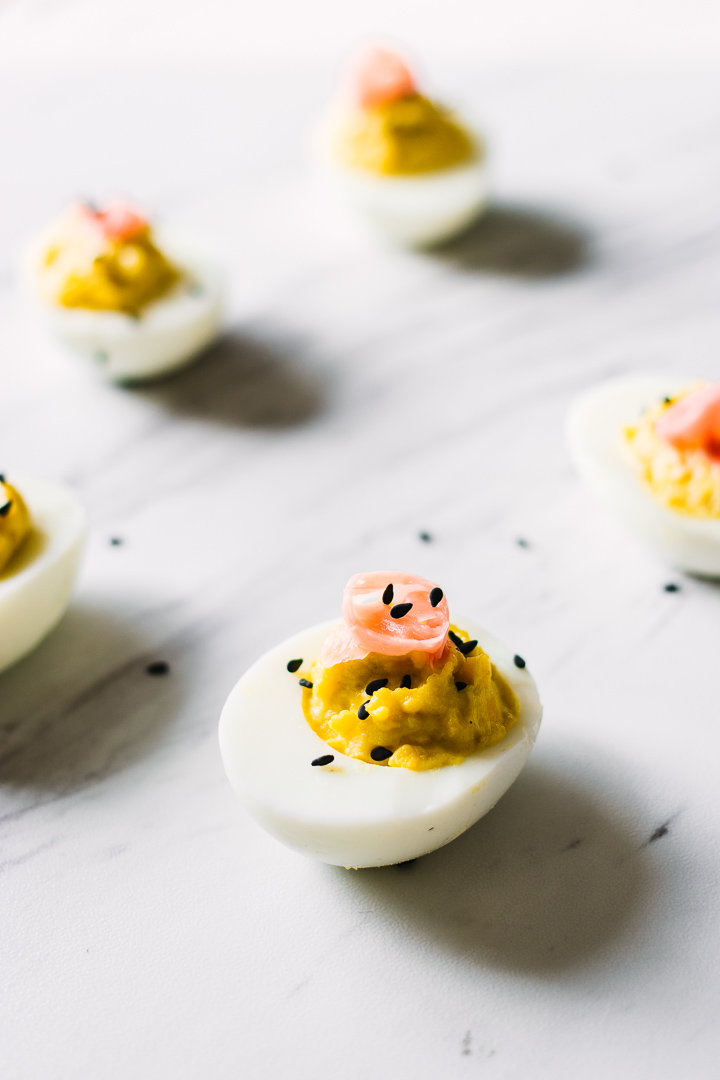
(124,275)
(14,523)
(427,726)
(684,480)
(404,137)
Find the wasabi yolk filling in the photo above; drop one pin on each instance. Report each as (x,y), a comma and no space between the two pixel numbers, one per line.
(101,268)
(423,708)
(14,522)
(679,474)
(407,136)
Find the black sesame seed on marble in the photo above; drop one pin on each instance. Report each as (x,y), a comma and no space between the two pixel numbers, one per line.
(5,508)
(455,638)
(158,667)
(671,586)
(518,661)
(306,683)
(467,647)
(459,685)
(293,665)
(363,714)
(376,684)
(425,537)
(380,753)
(522,542)
(324,760)
(406,682)
(387,596)
(399,611)
(436,596)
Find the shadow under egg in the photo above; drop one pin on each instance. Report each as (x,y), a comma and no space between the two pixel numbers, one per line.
(517,241)
(541,883)
(243,381)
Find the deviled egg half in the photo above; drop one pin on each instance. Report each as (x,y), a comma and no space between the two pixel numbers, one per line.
(136,302)
(42,531)
(407,166)
(379,737)
(649,447)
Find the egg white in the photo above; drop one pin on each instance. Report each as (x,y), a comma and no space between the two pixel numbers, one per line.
(169,333)
(413,211)
(595,426)
(36,585)
(351,813)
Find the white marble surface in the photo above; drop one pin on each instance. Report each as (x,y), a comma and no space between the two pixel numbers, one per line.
(149,928)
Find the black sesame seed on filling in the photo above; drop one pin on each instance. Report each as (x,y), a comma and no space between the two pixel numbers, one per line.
(293,665)
(459,685)
(324,760)
(376,684)
(455,638)
(306,683)
(518,661)
(467,647)
(406,682)
(387,596)
(363,714)
(5,508)
(380,753)
(436,596)
(399,611)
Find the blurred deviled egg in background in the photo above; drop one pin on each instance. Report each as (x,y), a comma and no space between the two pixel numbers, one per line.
(136,302)
(42,532)
(649,447)
(405,165)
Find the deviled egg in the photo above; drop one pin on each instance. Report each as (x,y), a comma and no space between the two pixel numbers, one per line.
(42,531)
(407,166)
(379,737)
(135,302)
(649,447)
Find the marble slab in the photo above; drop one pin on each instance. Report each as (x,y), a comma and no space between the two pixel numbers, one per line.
(361,397)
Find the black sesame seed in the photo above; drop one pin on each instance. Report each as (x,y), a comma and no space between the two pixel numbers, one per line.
(522,542)
(115,541)
(380,753)
(5,508)
(425,537)
(406,683)
(158,667)
(376,684)
(362,711)
(399,611)
(460,685)
(293,665)
(667,401)
(518,661)
(324,760)
(671,586)
(2,478)
(455,638)
(387,597)
(306,683)
(436,596)
(467,647)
